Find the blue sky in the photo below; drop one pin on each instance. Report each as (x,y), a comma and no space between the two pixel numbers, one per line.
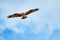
(41,25)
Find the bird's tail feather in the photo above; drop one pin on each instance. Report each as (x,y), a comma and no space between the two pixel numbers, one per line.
(23,17)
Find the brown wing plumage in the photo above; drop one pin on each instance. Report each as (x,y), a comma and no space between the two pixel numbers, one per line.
(15,15)
(23,14)
(31,11)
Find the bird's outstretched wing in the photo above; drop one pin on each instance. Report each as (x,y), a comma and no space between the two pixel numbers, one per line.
(31,11)
(15,15)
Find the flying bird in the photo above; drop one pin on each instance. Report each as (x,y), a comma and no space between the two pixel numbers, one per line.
(23,15)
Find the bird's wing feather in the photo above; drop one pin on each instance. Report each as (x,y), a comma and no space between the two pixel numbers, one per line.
(15,15)
(31,11)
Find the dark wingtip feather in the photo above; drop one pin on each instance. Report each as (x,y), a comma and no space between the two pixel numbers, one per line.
(9,17)
(37,9)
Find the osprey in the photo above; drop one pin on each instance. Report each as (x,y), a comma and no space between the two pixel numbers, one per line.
(23,15)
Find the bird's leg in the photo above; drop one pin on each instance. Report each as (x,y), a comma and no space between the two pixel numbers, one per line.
(23,16)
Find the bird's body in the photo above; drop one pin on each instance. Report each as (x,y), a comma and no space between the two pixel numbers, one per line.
(22,14)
